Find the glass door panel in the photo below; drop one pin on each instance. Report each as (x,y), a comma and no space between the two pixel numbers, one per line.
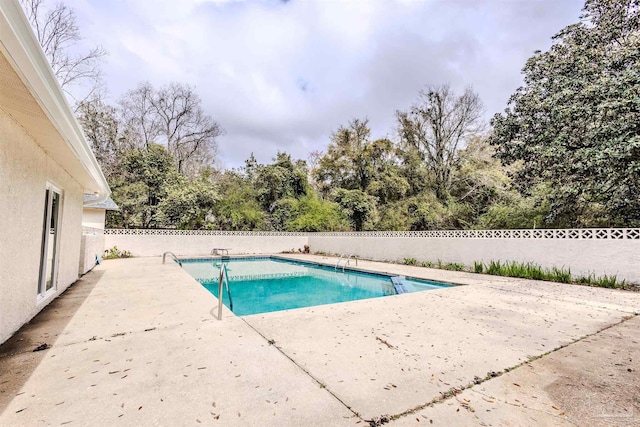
(49,251)
(53,240)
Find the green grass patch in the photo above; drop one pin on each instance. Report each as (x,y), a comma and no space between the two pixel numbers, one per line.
(478,267)
(454,266)
(528,270)
(605,281)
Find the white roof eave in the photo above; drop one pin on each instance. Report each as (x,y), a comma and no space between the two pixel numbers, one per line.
(29,61)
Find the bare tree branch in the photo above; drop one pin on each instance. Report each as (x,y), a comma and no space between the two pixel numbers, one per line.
(437,125)
(172,116)
(57,33)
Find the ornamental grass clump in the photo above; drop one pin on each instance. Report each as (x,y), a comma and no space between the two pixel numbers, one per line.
(478,267)
(528,270)
(605,281)
(454,266)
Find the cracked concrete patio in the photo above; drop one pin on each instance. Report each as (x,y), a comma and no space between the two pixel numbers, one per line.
(135,342)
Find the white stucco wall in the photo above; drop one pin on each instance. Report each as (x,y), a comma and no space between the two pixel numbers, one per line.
(93,218)
(25,170)
(193,245)
(613,251)
(91,245)
(583,256)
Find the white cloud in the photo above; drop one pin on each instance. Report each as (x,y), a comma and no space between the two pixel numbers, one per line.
(283,76)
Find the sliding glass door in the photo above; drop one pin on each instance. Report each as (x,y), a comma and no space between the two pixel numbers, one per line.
(50,233)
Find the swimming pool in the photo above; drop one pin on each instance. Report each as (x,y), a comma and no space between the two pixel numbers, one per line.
(265,284)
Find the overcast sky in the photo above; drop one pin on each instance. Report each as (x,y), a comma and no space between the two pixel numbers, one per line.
(284,75)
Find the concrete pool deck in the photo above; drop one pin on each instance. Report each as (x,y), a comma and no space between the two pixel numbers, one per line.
(135,342)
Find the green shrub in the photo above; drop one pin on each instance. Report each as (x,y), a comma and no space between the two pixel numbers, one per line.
(410,261)
(560,275)
(605,281)
(454,266)
(495,268)
(523,270)
(427,264)
(609,282)
(478,267)
(114,253)
(586,280)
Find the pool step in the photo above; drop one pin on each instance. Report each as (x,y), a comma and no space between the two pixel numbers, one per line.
(398,284)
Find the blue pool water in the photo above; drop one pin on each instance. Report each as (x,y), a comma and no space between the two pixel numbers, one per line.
(264,284)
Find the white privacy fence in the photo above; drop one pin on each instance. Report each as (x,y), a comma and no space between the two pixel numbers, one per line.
(141,242)
(91,248)
(566,233)
(592,250)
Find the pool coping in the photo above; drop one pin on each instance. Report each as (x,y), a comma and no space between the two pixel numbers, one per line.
(319,263)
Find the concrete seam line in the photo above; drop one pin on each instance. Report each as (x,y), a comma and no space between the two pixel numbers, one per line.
(454,391)
(316,380)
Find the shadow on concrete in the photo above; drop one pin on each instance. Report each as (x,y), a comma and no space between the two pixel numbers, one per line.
(18,360)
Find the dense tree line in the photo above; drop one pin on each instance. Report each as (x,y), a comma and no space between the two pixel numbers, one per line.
(566,151)
(574,126)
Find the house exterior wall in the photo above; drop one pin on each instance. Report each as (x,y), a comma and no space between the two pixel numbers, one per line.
(93,218)
(25,170)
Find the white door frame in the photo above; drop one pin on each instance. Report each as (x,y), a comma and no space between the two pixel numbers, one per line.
(43,292)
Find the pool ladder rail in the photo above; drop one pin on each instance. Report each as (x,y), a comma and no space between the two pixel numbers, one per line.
(347,261)
(224,279)
(175,258)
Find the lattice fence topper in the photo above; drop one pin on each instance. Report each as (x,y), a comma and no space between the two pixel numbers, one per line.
(567,233)
(165,232)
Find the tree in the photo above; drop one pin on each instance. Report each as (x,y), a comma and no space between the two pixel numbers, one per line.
(478,179)
(237,207)
(187,204)
(358,206)
(414,170)
(58,34)
(314,214)
(102,129)
(137,113)
(575,121)
(282,179)
(388,184)
(516,212)
(436,126)
(251,167)
(172,116)
(141,187)
(189,134)
(352,160)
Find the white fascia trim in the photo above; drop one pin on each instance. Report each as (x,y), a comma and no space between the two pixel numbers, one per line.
(32,66)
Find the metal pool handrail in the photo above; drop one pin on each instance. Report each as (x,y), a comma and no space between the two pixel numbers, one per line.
(175,258)
(346,261)
(348,258)
(224,277)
